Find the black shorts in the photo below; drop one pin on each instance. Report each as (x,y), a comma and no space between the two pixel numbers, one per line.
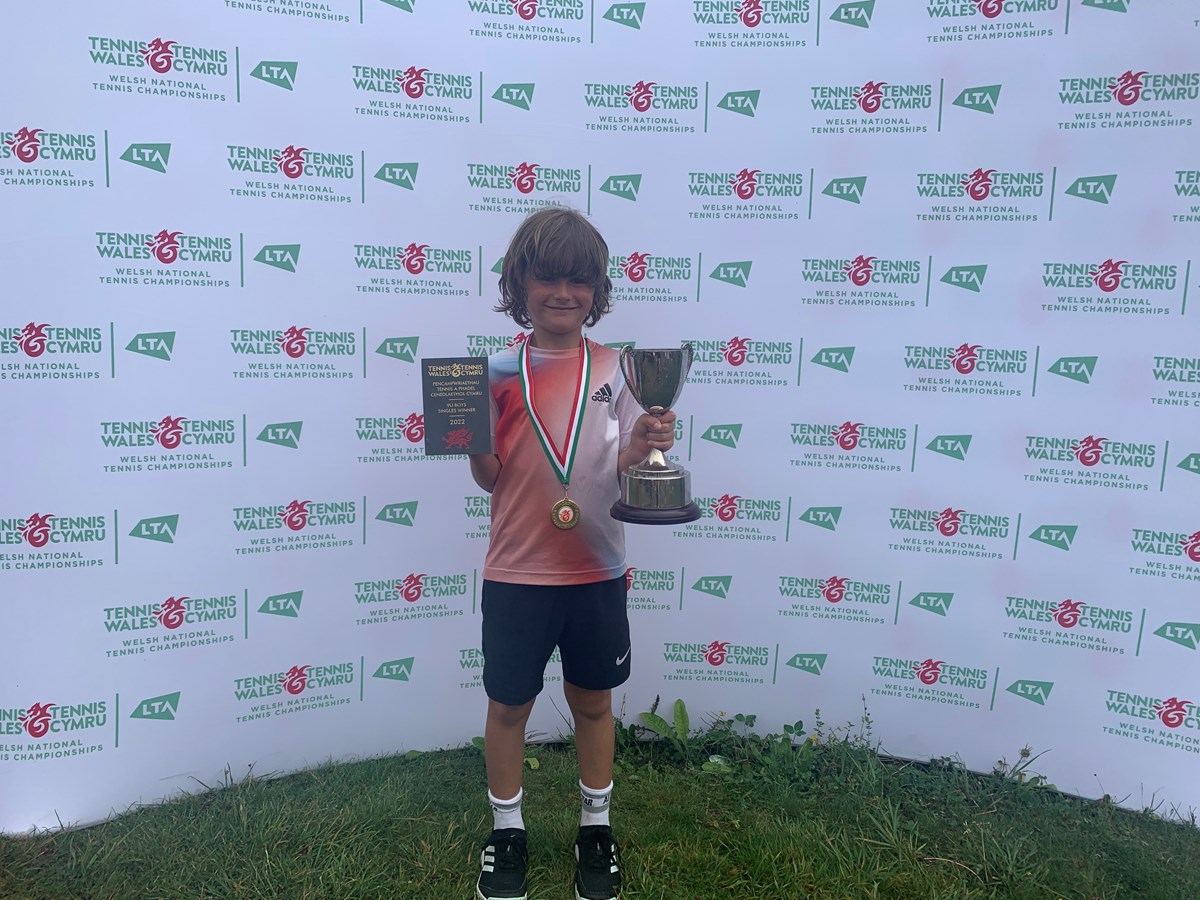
(523,623)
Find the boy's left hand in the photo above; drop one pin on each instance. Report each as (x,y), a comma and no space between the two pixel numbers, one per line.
(652,433)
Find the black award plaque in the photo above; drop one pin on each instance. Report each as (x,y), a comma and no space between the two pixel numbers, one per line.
(457,416)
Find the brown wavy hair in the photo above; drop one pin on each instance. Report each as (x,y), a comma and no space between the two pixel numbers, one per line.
(552,243)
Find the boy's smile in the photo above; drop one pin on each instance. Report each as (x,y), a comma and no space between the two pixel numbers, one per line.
(557,310)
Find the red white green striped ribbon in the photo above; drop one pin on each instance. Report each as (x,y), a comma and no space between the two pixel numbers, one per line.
(561,460)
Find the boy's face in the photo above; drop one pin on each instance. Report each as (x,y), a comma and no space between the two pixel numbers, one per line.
(558,310)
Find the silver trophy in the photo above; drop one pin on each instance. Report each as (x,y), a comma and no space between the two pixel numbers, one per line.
(655,492)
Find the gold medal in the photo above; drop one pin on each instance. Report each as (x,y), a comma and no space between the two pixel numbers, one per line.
(565,513)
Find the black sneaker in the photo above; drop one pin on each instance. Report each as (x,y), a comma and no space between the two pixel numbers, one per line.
(502,866)
(597,869)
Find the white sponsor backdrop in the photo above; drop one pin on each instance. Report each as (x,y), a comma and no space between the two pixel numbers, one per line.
(163,624)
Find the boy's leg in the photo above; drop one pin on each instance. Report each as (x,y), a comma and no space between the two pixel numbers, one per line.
(595,739)
(519,633)
(504,747)
(595,652)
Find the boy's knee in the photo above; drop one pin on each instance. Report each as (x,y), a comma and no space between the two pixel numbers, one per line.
(509,716)
(595,705)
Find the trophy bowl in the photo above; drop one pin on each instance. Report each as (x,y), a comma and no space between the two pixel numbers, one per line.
(655,492)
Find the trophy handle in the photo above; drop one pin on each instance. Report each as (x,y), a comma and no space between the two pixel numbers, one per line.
(689,353)
(623,363)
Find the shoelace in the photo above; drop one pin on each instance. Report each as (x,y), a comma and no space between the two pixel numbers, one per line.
(507,856)
(596,855)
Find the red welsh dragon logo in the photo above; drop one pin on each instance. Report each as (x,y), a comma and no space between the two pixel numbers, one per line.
(526,9)
(32,339)
(735,350)
(1172,712)
(25,144)
(726,507)
(964,357)
(745,183)
(412,587)
(165,246)
(635,266)
(524,177)
(159,56)
(413,82)
(295,515)
(294,341)
(457,439)
(641,95)
(847,435)
(414,258)
(716,652)
(869,97)
(990,8)
(36,530)
(296,679)
(1067,613)
(1089,450)
(629,578)
(169,432)
(859,269)
(979,184)
(290,161)
(948,521)
(36,720)
(172,612)
(750,12)
(833,589)
(1128,88)
(929,671)
(414,427)
(1107,276)
(1191,546)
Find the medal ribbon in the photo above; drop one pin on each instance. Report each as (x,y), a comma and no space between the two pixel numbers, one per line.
(560,460)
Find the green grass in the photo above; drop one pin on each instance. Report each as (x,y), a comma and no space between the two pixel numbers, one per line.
(775,816)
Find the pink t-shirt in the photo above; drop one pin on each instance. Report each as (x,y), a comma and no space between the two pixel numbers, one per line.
(526,547)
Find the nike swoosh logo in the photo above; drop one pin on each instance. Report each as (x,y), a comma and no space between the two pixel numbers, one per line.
(624,656)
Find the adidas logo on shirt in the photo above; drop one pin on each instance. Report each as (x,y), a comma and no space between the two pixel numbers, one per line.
(604,395)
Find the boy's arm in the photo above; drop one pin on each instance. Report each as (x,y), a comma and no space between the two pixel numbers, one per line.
(485,469)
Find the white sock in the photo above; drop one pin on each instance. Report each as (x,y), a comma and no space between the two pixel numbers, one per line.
(595,804)
(507,813)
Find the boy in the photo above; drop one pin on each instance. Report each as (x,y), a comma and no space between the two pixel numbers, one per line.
(565,425)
